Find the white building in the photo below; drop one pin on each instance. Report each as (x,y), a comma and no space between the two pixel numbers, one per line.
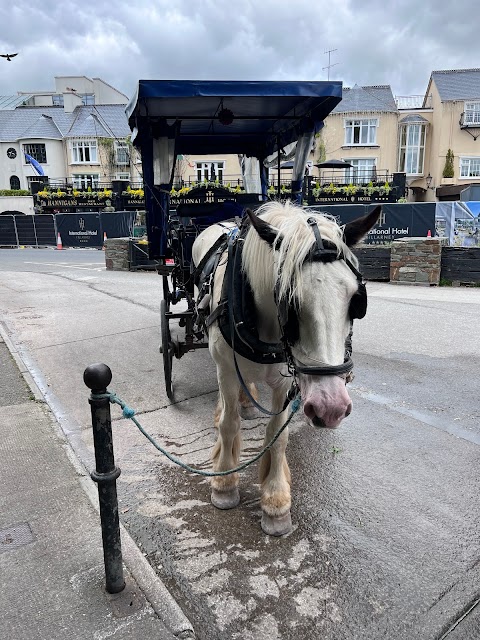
(77,134)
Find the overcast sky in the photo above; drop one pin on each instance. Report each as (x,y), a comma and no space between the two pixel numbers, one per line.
(376,42)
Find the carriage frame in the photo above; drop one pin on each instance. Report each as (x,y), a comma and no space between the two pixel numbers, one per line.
(263,122)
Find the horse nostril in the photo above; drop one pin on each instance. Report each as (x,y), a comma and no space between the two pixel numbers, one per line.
(349,410)
(309,410)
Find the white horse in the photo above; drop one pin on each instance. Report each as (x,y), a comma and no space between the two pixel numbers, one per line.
(291,276)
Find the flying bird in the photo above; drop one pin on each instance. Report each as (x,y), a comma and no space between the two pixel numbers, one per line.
(8,56)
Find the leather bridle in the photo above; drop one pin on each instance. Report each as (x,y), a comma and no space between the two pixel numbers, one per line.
(323,251)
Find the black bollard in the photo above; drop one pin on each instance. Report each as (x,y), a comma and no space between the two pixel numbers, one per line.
(97,377)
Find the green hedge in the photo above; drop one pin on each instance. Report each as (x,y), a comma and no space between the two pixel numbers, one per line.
(14,192)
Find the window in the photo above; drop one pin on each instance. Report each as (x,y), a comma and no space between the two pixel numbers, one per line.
(212,171)
(363,171)
(361,132)
(14,182)
(85,180)
(36,180)
(411,149)
(470,167)
(122,155)
(472,113)
(88,98)
(122,176)
(57,100)
(84,152)
(37,151)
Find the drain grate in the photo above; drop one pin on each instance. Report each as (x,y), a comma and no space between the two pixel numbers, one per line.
(15,536)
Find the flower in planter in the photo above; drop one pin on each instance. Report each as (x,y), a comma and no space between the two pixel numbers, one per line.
(134,193)
(331,189)
(385,189)
(350,190)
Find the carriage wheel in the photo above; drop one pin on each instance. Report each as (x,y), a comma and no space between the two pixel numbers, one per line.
(166,349)
(166,292)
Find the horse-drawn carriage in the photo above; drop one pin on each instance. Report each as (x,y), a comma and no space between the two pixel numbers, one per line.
(278,291)
(252,119)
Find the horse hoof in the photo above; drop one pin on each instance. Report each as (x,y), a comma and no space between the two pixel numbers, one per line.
(225,499)
(279,526)
(248,413)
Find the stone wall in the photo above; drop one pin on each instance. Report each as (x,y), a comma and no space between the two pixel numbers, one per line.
(117,254)
(416,261)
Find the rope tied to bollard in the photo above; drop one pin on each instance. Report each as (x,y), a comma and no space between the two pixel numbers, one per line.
(129,413)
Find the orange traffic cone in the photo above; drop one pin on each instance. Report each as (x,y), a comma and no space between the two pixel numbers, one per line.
(104,239)
(429,234)
(59,242)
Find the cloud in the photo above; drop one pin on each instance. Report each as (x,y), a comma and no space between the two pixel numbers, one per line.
(374,42)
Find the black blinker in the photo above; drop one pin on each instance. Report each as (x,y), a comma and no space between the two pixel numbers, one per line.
(358,303)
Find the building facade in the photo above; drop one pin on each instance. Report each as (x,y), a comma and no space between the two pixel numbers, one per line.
(79,136)
(75,137)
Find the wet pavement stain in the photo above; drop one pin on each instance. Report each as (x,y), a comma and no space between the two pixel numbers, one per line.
(384,513)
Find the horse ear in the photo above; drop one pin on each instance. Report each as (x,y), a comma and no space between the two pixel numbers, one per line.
(264,230)
(354,231)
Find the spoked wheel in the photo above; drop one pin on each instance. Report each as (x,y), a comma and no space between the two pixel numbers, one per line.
(166,349)
(166,292)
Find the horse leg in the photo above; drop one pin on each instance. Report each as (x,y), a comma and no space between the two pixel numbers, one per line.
(246,407)
(226,452)
(275,475)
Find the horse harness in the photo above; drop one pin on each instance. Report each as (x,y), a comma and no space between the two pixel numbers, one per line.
(236,313)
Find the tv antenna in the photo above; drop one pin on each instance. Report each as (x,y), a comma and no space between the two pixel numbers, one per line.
(329,65)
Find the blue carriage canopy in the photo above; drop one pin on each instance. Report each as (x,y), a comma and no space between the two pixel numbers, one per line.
(255,119)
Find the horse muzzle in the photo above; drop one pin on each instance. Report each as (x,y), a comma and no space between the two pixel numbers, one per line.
(326,400)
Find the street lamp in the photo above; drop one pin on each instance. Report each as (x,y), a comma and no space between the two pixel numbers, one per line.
(428,180)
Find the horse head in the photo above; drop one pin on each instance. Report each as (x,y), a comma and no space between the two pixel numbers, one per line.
(318,293)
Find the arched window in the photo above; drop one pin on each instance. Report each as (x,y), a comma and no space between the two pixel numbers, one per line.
(14,182)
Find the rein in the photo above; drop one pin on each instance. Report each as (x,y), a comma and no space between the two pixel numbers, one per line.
(243,342)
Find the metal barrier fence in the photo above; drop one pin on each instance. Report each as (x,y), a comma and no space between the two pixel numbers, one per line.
(32,231)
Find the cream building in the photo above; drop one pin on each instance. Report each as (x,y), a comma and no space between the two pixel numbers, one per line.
(381,135)
(454,124)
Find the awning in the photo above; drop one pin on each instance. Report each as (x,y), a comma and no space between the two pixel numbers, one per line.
(474,207)
(211,117)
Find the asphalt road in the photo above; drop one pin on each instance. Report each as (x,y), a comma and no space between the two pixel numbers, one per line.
(386,542)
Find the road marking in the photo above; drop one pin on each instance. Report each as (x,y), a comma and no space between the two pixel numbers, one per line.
(421,415)
(69,266)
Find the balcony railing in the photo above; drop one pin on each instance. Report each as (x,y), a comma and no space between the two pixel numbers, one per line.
(470,122)
(413,102)
(331,186)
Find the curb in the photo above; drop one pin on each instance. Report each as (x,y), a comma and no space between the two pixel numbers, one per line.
(157,594)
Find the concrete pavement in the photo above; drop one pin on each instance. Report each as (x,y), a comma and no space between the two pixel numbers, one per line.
(51,559)
(385,508)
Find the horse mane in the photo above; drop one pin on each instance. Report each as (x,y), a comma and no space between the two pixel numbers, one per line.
(264,267)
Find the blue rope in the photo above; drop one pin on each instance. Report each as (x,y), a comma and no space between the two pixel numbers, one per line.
(128,412)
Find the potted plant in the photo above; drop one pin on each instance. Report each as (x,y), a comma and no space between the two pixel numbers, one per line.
(448,169)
